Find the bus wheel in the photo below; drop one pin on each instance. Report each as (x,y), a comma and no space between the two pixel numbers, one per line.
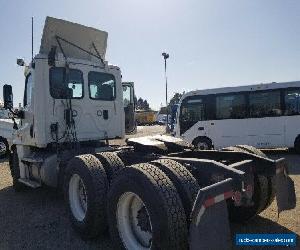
(202,143)
(297,144)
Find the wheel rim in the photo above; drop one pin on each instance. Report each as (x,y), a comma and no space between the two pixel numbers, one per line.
(202,145)
(2,148)
(134,223)
(77,197)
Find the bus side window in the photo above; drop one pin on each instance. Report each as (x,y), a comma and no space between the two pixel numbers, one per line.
(210,107)
(292,102)
(265,104)
(231,106)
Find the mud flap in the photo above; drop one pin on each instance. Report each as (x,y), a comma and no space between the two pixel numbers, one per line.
(285,193)
(285,187)
(209,228)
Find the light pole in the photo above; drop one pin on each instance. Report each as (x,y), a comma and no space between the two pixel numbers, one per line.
(166,56)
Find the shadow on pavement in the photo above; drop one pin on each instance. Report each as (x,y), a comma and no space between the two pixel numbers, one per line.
(3,160)
(37,219)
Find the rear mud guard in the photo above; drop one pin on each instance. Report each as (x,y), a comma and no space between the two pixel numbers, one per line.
(285,187)
(209,228)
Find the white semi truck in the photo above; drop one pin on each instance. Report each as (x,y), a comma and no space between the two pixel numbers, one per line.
(154,193)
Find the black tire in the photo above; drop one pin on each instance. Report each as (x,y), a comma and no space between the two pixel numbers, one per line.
(271,180)
(112,164)
(162,202)
(93,176)
(297,144)
(231,148)
(207,143)
(252,150)
(5,150)
(185,183)
(261,195)
(15,170)
(242,213)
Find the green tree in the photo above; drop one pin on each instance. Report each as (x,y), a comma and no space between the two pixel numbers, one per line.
(175,100)
(142,104)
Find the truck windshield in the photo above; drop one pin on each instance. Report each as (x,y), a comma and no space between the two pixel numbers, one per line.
(102,86)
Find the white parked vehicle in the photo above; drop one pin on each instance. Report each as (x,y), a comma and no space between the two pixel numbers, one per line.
(263,115)
(6,131)
(161,119)
(148,192)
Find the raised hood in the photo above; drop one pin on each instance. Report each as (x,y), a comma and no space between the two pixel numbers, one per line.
(87,38)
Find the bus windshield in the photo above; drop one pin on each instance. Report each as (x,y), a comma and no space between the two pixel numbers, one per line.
(191,112)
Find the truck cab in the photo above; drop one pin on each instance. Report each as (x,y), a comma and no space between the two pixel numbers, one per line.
(71,93)
(73,101)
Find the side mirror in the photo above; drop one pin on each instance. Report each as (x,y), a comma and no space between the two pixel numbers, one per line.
(20,62)
(8,96)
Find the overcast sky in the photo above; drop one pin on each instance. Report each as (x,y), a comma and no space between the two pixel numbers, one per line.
(212,43)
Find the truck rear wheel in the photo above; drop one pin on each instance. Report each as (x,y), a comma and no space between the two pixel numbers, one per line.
(252,150)
(184,182)
(271,180)
(145,211)
(86,195)
(261,193)
(242,213)
(112,164)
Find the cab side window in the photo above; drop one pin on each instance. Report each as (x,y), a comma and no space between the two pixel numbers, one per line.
(28,90)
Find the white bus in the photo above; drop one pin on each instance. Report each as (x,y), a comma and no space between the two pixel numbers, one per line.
(264,116)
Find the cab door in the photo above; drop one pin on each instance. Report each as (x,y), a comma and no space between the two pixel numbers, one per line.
(129,107)
(25,134)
